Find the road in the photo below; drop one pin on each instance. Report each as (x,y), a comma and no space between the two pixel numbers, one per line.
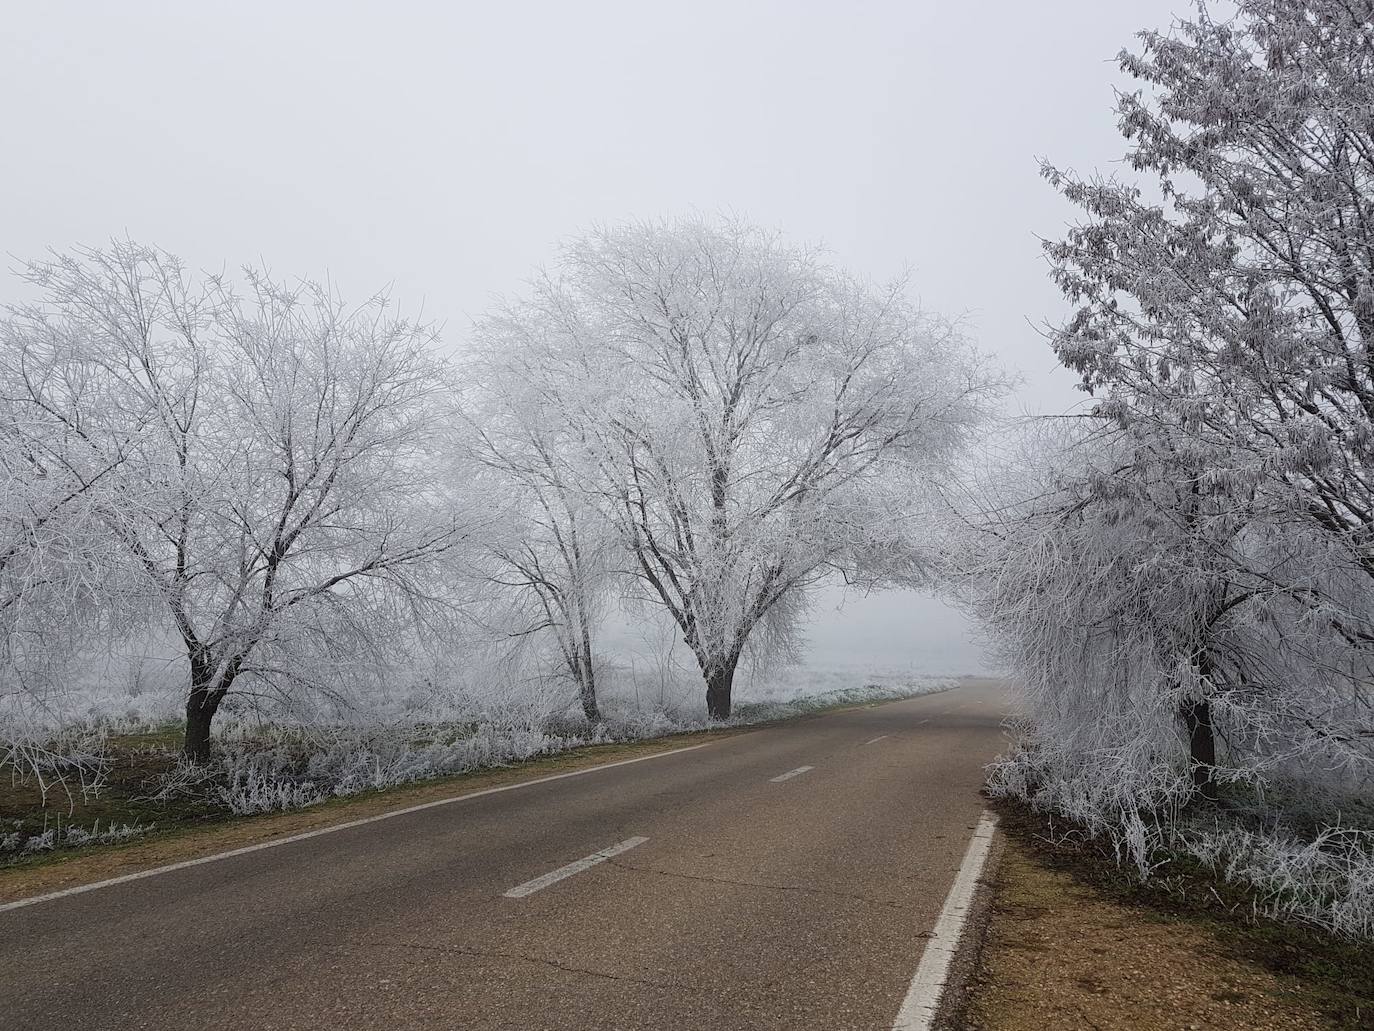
(755,899)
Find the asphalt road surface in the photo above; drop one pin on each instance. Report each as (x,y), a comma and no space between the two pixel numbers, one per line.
(784,878)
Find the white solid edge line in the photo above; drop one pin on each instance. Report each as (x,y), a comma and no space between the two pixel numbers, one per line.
(923,997)
(789,774)
(320,832)
(554,876)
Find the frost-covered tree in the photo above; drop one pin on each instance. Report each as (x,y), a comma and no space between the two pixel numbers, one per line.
(549,542)
(257,461)
(1105,577)
(1233,303)
(1229,310)
(51,564)
(1182,588)
(749,419)
(1160,630)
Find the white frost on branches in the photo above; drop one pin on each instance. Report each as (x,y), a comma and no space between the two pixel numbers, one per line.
(746,419)
(251,470)
(1184,584)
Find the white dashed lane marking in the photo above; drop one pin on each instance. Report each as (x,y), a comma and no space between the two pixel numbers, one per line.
(554,876)
(790,774)
(292,839)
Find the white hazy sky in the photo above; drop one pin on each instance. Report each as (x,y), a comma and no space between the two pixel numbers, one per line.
(444,148)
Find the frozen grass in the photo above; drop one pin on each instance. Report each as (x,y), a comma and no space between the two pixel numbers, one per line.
(265,775)
(1326,880)
(58,836)
(270,760)
(1290,843)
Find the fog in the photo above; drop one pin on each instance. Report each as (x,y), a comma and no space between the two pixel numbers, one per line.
(444,149)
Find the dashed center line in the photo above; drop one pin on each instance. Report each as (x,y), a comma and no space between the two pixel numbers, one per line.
(880,737)
(790,774)
(554,876)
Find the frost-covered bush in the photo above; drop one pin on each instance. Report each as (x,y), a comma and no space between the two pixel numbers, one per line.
(59,836)
(1171,645)
(1326,879)
(282,768)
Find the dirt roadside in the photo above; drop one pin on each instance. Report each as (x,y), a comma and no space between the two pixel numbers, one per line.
(1070,942)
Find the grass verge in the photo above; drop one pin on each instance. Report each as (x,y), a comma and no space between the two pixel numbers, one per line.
(1074,941)
(187,829)
(198,835)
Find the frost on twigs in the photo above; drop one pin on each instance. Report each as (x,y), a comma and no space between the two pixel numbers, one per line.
(243,469)
(712,421)
(1183,584)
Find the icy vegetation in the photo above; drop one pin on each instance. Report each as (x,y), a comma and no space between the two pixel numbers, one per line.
(327,555)
(253,776)
(294,539)
(1181,578)
(59,836)
(272,760)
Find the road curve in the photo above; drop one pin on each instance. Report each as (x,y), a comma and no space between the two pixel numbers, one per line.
(781,878)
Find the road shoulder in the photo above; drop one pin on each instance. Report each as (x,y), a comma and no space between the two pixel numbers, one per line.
(967,962)
(1071,942)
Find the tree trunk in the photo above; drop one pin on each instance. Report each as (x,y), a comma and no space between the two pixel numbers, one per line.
(587,681)
(719,682)
(1202,746)
(586,688)
(203,702)
(201,706)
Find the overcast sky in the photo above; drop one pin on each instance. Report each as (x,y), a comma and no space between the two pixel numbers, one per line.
(445,148)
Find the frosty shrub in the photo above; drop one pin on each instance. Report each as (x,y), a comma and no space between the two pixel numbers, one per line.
(281,769)
(64,836)
(1326,879)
